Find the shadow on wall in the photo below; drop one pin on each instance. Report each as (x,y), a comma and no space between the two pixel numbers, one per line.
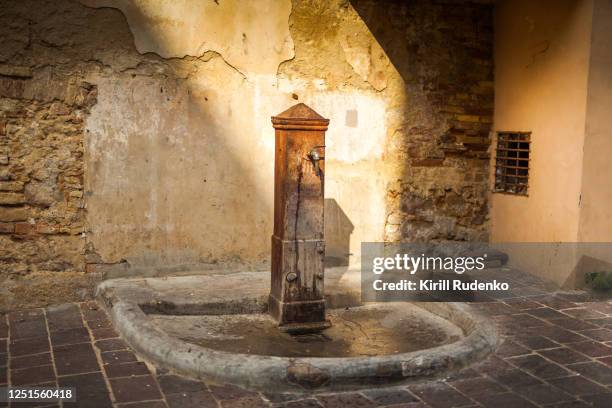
(444,53)
(338,230)
(172,187)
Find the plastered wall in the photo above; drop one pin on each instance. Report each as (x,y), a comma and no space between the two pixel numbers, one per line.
(191,159)
(553,79)
(596,199)
(173,142)
(541,73)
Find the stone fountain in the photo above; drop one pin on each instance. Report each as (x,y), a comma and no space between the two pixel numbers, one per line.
(276,334)
(298,247)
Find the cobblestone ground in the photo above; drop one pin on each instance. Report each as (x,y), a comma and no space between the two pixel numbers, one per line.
(557,353)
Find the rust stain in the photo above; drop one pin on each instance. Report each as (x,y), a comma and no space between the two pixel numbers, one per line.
(296,297)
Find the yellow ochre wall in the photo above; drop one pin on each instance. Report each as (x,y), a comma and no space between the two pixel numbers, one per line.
(541,74)
(552,78)
(596,204)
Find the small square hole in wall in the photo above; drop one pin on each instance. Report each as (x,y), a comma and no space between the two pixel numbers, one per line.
(512,162)
(352,118)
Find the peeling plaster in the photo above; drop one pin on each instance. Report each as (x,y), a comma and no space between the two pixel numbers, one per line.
(365,56)
(178,150)
(211,107)
(257,43)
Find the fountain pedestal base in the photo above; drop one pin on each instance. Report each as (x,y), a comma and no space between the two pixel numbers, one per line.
(297,300)
(299,317)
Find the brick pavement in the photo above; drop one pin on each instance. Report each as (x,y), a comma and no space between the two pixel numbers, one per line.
(557,353)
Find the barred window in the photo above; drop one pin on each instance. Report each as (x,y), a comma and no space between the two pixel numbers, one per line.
(512,162)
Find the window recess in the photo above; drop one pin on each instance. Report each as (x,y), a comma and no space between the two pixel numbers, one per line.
(512,163)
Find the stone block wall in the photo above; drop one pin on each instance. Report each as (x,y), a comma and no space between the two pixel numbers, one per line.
(122,160)
(443,52)
(42,218)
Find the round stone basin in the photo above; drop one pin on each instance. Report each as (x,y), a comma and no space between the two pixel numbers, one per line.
(217,328)
(370,330)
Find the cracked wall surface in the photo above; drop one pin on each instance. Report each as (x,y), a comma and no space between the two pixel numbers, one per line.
(165,109)
(252,36)
(439,116)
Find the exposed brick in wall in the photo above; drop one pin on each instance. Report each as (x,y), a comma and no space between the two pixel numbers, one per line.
(444,52)
(51,49)
(41,180)
(452,204)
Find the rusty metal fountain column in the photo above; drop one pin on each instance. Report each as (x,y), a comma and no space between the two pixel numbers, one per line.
(298,247)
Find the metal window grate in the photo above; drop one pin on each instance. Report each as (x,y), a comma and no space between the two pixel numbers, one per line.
(512,162)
